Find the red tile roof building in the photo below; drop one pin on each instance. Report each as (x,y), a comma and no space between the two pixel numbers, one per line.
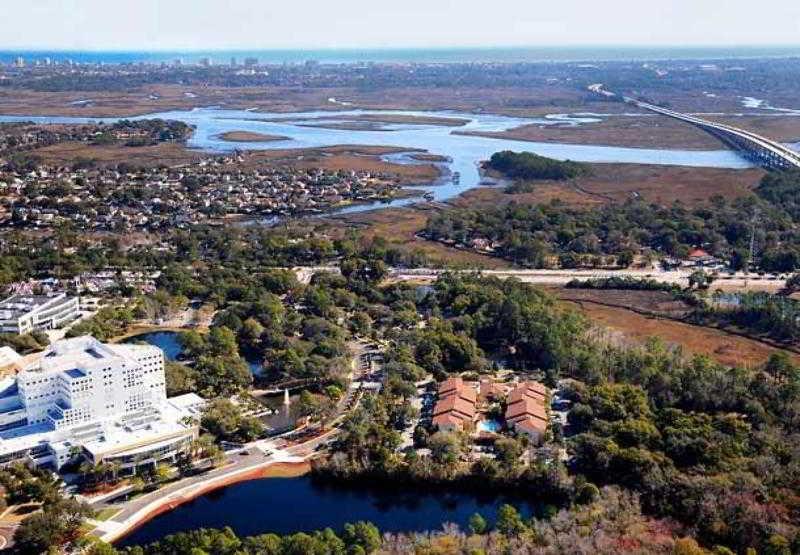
(455,410)
(526,410)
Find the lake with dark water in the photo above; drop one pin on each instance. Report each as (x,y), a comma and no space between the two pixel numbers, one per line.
(288,505)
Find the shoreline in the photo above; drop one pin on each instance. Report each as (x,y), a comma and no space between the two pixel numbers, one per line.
(267,470)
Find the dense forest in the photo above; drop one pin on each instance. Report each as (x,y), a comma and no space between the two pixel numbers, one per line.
(549,235)
(227,253)
(601,525)
(527,165)
(758,313)
(708,447)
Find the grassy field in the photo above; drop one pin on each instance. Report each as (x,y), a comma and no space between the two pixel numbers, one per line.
(399,227)
(163,153)
(647,131)
(619,311)
(107,513)
(249,137)
(620,182)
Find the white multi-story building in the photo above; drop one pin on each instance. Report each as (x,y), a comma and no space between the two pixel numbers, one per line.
(25,313)
(101,401)
(9,359)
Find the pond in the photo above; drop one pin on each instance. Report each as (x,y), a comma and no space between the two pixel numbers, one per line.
(288,505)
(491,425)
(168,342)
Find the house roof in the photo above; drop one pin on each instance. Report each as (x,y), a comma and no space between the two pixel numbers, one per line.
(526,406)
(489,388)
(454,403)
(450,385)
(467,393)
(448,419)
(527,390)
(531,425)
(698,253)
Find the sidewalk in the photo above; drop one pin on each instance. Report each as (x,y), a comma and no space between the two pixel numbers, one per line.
(173,495)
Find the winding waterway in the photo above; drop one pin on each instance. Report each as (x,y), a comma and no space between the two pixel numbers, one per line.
(464,151)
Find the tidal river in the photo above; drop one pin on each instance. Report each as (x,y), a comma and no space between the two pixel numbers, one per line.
(304,130)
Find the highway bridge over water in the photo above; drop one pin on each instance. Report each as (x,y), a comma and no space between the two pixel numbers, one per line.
(761,151)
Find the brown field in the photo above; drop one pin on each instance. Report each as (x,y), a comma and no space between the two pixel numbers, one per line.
(647,131)
(607,183)
(375,122)
(348,126)
(399,226)
(522,101)
(544,192)
(619,182)
(650,131)
(722,346)
(250,137)
(665,184)
(401,118)
(779,128)
(169,154)
(660,303)
(425,157)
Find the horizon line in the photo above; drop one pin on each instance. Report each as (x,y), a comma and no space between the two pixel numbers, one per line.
(671,46)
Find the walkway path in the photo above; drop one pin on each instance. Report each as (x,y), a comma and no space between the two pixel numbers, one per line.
(239,465)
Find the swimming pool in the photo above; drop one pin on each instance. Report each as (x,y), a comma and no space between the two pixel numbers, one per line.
(493,426)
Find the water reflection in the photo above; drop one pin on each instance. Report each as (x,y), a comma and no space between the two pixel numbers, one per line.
(287,505)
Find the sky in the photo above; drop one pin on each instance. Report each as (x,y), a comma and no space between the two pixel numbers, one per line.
(309,24)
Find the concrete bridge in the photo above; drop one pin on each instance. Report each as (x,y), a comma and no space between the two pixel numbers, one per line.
(761,151)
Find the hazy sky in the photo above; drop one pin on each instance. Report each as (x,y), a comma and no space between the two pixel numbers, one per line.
(251,24)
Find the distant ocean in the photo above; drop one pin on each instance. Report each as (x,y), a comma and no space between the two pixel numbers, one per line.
(416,55)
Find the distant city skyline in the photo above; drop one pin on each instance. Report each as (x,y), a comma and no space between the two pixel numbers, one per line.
(191,25)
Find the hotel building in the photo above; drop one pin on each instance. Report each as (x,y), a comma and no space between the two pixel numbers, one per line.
(101,402)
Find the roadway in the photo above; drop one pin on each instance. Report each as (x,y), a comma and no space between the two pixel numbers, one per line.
(678,277)
(756,148)
(239,465)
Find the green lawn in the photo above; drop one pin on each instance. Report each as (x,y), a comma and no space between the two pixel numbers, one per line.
(107,513)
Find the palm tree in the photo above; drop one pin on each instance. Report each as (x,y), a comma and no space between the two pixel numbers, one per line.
(114,467)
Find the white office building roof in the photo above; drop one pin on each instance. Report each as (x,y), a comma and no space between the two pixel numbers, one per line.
(107,400)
